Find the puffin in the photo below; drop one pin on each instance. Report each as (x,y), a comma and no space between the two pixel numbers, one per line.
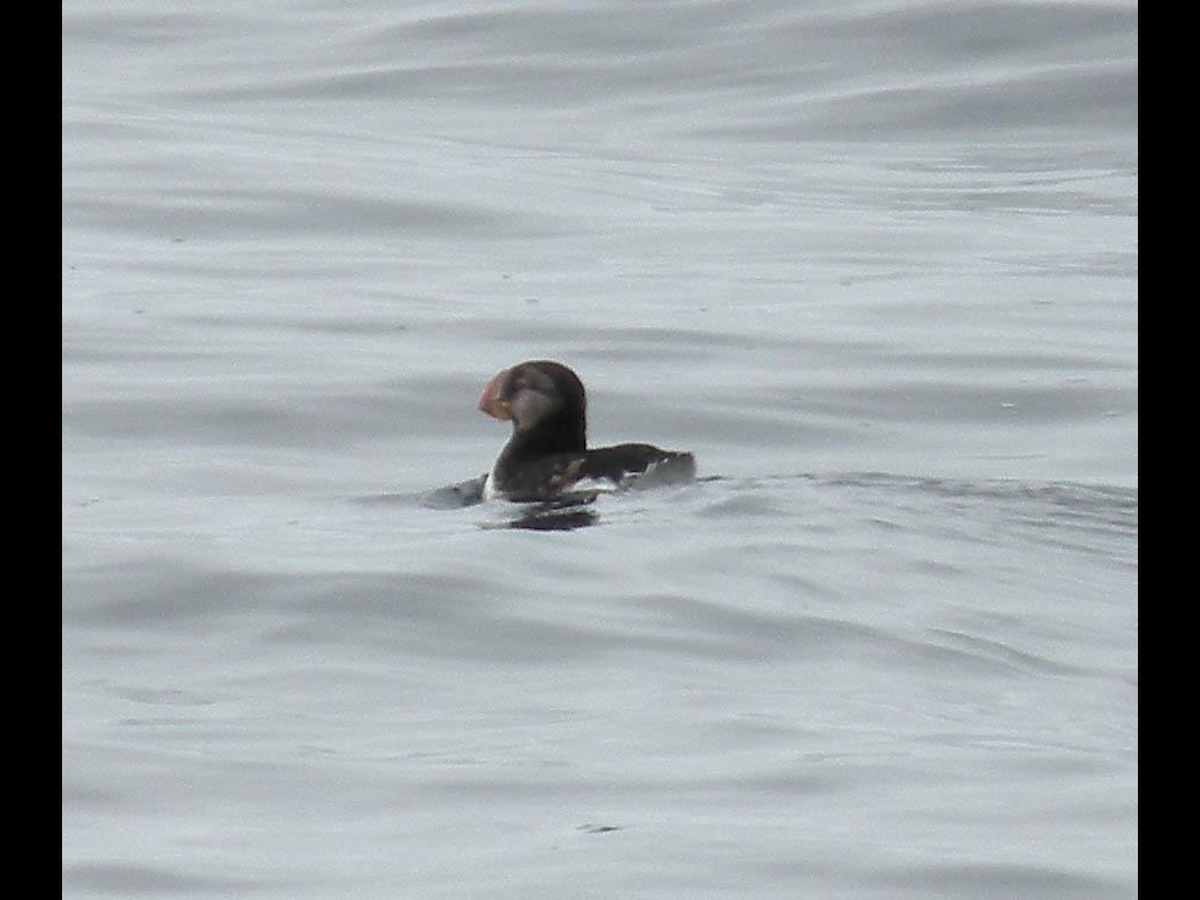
(547,457)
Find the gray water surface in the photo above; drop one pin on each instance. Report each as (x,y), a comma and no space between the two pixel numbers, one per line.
(874,264)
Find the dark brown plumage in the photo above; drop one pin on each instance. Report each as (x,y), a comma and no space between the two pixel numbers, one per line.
(547,454)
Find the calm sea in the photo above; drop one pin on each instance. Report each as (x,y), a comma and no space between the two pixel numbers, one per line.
(874,263)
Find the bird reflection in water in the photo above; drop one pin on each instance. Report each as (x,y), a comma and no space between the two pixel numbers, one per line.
(559,520)
(565,513)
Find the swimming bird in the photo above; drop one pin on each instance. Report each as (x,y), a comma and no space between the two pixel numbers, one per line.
(547,455)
